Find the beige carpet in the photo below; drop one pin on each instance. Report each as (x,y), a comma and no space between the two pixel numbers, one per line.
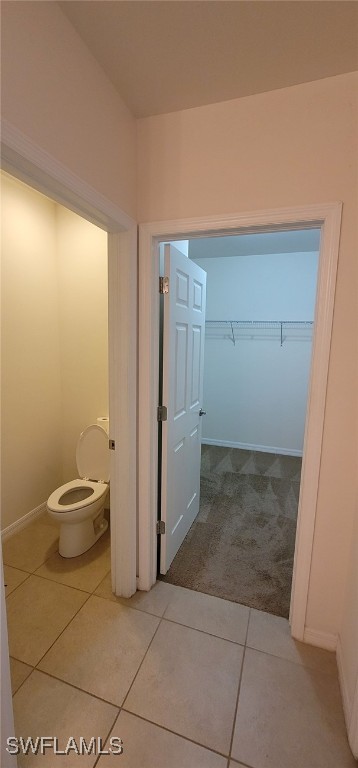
(241,545)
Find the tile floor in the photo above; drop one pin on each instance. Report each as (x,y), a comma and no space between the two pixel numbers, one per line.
(186,680)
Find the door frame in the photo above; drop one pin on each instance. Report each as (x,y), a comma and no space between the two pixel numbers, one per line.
(326,216)
(29,163)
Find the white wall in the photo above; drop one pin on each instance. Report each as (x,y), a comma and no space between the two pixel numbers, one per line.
(54,91)
(181,245)
(255,391)
(289,147)
(54,371)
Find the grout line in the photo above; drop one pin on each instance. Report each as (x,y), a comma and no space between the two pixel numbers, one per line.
(11,656)
(77,688)
(244,765)
(247,628)
(18,585)
(107,737)
(309,668)
(120,601)
(53,581)
(64,628)
(124,605)
(26,678)
(32,572)
(16,568)
(60,583)
(236,707)
(63,584)
(141,663)
(204,632)
(175,733)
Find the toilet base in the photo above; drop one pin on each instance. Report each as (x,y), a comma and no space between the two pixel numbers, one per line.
(77,538)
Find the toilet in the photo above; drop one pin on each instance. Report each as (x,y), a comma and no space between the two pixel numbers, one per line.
(79,505)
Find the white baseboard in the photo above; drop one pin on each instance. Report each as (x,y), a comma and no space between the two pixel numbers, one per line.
(22,522)
(347,704)
(350,707)
(324,640)
(353,726)
(252,447)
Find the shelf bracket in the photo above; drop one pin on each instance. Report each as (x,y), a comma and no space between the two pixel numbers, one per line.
(233,335)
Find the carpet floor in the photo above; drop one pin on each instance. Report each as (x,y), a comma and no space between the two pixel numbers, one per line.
(241,545)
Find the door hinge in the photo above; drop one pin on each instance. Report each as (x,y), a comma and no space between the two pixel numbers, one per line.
(164,285)
(112,445)
(160,527)
(162,413)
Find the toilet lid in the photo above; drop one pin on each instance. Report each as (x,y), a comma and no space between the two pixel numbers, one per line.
(92,454)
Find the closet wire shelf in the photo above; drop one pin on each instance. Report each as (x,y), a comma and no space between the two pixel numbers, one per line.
(213,328)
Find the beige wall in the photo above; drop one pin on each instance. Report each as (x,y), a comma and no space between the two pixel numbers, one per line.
(83,313)
(288,147)
(54,91)
(31,455)
(54,343)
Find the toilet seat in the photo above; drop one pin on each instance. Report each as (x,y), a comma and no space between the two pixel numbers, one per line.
(99,490)
(92,454)
(80,504)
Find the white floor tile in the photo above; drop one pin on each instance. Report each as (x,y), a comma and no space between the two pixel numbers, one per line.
(188,683)
(148,746)
(102,649)
(47,707)
(37,611)
(209,614)
(155,601)
(289,715)
(272,634)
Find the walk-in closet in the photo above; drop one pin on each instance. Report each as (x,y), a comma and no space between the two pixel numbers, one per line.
(261,293)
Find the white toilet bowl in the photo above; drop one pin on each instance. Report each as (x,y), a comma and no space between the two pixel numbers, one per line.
(79,505)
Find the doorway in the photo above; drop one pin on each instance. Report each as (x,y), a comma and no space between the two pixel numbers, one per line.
(54,345)
(258,338)
(37,168)
(28,163)
(327,219)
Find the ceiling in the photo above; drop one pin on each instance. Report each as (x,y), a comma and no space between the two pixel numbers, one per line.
(173,55)
(261,244)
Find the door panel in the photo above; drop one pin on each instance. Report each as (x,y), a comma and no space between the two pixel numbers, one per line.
(181,355)
(195,366)
(183,366)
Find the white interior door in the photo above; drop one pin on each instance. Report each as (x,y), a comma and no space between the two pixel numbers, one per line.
(183,368)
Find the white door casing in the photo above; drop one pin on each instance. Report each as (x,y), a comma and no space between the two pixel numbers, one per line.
(183,364)
(327,216)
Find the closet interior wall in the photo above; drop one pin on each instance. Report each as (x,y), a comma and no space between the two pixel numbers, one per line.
(257,373)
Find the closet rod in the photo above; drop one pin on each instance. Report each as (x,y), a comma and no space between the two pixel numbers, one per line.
(260,324)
